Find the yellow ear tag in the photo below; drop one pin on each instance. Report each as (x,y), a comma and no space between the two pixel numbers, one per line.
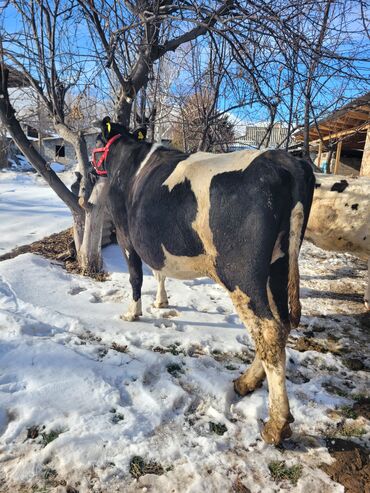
(108,127)
(140,136)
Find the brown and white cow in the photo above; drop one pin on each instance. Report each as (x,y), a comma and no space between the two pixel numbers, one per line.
(340,217)
(237,218)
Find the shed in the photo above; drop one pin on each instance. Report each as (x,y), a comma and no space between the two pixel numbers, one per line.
(55,148)
(341,141)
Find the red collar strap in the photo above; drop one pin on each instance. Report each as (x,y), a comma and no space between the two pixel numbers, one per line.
(99,162)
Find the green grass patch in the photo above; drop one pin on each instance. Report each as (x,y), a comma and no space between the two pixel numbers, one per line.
(117,417)
(138,467)
(333,389)
(51,436)
(347,430)
(49,473)
(348,412)
(359,397)
(280,471)
(119,348)
(174,369)
(217,428)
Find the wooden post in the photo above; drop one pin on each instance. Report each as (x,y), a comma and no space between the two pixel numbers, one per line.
(320,155)
(337,157)
(365,163)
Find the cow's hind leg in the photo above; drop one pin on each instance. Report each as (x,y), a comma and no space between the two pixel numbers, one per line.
(250,379)
(278,301)
(270,338)
(161,300)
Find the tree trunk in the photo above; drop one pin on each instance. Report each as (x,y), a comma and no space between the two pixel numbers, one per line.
(78,229)
(89,254)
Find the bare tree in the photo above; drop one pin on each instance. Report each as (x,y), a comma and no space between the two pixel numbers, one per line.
(48,62)
(279,60)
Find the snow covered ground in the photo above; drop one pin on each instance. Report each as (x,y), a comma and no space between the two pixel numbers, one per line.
(89,402)
(29,209)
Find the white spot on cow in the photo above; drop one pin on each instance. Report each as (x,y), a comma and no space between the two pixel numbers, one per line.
(296,225)
(277,251)
(134,311)
(144,162)
(183,267)
(161,300)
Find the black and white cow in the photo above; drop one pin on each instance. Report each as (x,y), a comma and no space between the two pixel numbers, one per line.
(340,217)
(237,218)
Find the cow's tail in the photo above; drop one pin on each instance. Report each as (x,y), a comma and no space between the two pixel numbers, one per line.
(297,220)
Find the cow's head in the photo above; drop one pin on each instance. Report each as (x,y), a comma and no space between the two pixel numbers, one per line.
(109,129)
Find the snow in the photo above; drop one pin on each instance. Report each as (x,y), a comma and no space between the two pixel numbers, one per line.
(29,209)
(57,167)
(65,368)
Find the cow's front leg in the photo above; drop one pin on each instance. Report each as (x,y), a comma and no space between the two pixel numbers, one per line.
(161,300)
(136,280)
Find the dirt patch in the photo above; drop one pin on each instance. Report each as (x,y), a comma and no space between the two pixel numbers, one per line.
(54,246)
(239,487)
(303,344)
(352,466)
(58,247)
(362,407)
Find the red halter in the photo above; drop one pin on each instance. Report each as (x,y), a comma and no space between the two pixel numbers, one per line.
(104,151)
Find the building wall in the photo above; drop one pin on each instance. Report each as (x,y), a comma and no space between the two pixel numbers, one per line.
(49,151)
(50,145)
(254,137)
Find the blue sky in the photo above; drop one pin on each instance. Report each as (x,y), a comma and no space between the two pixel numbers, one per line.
(11,22)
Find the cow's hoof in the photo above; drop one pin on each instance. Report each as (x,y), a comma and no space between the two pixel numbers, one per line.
(130,317)
(160,304)
(242,388)
(275,434)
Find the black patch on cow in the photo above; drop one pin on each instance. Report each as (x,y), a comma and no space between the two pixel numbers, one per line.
(248,211)
(317,185)
(136,274)
(354,207)
(339,186)
(247,208)
(159,216)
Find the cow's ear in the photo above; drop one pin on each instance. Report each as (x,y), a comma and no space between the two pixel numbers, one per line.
(106,125)
(139,134)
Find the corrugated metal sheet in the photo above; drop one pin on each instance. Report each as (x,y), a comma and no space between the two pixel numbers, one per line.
(255,137)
